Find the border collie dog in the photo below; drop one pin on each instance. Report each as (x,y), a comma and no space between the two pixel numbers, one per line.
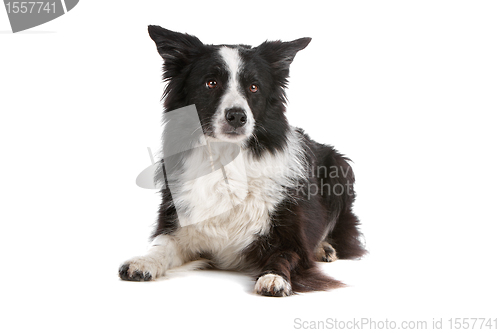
(273,201)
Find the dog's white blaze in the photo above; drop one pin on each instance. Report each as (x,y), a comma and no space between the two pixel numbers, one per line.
(232,96)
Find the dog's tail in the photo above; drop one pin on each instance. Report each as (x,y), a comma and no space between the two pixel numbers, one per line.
(312,279)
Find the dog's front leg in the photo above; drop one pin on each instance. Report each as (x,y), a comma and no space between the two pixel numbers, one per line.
(163,254)
(274,279)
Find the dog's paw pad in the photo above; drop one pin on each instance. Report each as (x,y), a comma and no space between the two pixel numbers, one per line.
(273,285)
(326,252)
(128,273)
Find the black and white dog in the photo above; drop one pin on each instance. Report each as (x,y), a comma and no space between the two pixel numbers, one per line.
(282,204)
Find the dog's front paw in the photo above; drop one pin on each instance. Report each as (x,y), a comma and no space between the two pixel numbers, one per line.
(326,252)
(138,269)
(273,285)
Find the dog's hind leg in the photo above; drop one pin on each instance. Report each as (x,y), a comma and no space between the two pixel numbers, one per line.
(345,237)
(325,252)
(163,254)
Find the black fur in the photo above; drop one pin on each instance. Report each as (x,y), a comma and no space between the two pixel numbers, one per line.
(300,222)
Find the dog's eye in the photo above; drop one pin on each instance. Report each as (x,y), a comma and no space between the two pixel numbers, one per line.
(211,84)
(254,88)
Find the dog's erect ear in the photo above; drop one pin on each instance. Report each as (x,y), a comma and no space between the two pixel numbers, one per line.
(280,54)
(174,47)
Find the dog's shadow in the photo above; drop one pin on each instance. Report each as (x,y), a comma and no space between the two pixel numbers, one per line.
(244,280)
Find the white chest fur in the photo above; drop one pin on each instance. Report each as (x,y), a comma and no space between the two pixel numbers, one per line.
(227,209)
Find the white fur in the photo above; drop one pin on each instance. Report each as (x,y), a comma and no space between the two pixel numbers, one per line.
(232,96)
(272,283)
(236,211)
(162,255)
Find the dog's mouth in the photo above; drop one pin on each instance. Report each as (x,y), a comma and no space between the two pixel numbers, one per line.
(233,136)
(230,130)
(228,134)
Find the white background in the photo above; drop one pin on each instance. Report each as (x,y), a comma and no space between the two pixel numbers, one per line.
(408,90)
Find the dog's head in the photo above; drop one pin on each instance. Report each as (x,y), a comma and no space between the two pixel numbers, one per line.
(238,90)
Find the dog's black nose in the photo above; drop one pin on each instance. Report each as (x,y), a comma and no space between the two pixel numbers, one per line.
(236,117)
